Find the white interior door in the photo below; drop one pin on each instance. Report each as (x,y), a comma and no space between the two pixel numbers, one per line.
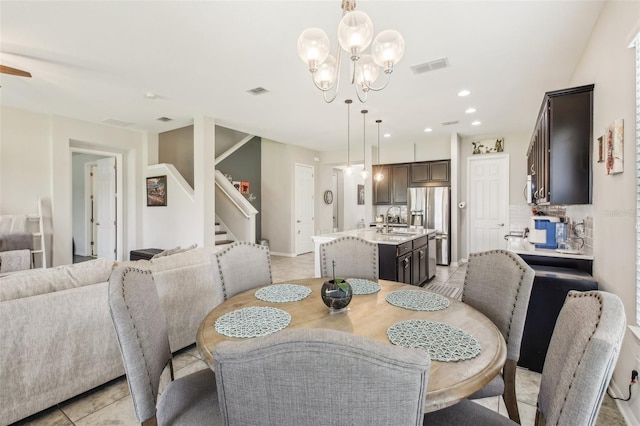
(488,201)
(304,207)
(105,198)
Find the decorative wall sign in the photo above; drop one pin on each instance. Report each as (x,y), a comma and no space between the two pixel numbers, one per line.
(157,191)
(488,146)
(601,149)
(614,137)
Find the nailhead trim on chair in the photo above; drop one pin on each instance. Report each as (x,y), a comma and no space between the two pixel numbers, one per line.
(516,261)
(576,294)
(323,257)
(228,249)
(128,269)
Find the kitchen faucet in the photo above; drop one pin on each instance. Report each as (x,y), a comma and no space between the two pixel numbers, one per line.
(386,217)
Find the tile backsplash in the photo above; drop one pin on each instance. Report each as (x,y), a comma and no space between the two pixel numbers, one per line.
(580,219)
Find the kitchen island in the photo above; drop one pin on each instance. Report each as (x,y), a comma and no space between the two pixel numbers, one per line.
(404,255)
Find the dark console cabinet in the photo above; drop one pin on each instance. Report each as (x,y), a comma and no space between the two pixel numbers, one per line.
(559,155)
(555,277)
(143,253)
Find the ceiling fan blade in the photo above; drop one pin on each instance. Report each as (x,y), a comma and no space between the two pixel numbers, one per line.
(14,71)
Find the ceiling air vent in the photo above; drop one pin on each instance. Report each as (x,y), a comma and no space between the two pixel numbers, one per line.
(165,119)
(450,123)
(430,66)
(114,122)
(257,91)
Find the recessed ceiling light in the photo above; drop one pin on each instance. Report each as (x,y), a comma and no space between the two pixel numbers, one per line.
(428,129)
(464,93)
(470,110)
(476,123)
(387,135)
(150,95)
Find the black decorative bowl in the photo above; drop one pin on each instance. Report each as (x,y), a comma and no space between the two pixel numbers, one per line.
(335,297)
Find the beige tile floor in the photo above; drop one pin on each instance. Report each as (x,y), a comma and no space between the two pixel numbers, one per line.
(110,404)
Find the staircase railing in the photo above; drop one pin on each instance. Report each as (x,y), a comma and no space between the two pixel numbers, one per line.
(238,215)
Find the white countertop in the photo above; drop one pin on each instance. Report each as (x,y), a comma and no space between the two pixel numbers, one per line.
(395,238)
(530,249)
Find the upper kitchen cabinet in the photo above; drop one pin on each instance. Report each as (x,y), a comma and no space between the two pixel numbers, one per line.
(382,189)
(430,173)
(393,188)
(559,155)
(400,183)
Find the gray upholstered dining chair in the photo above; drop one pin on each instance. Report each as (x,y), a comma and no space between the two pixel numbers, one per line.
(141,330)
(582,353)
(320,377)
(498,283)
(240,267)
(354,257)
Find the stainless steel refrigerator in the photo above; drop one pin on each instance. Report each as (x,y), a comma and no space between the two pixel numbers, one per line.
(430,208)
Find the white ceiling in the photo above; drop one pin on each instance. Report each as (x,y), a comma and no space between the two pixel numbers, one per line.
(96,60)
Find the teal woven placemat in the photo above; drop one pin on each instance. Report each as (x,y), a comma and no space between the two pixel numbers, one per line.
(281,293)
(442,341)
(252,322)
(417,300)
(362,286)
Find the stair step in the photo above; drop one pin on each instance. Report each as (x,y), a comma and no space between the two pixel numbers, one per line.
(222,242)
(220,232)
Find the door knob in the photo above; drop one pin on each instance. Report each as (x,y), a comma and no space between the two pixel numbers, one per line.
(501,224)
(298,221)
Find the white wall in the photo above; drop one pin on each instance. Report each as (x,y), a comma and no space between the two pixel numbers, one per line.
(610,65)
(278,169)
(25,160)
(36,162)
(354,212)
(179,213)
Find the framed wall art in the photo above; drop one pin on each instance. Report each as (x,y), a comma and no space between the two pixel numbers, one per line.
(614,137)
(488,146)
(157,191)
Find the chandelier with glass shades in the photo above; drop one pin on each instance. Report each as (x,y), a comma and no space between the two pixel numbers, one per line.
(355,34)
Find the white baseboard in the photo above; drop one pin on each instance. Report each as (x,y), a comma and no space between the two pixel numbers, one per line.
(623,406)
(277,253)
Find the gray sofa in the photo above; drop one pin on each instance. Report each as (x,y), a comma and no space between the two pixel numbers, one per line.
(57,339)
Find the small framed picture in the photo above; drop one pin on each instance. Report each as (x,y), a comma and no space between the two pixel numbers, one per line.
(244,187)
(360,194)
(236,184)
(157,191)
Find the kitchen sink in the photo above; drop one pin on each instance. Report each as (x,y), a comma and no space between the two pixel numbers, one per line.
(400,234)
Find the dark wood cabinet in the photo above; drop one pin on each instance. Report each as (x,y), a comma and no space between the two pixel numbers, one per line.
(382,189)
(403,268)
(406,262)
(559,154)
(398,177)
(419,261)
(430,173)
(400,183)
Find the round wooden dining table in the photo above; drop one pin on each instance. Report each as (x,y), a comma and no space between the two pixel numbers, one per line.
(370,316)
